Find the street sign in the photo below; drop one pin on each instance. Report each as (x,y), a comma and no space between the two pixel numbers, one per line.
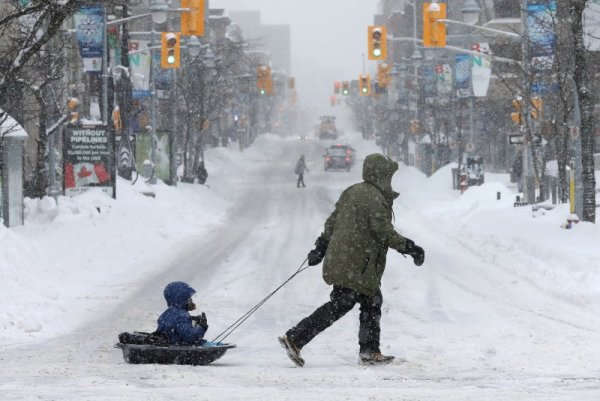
(517,139)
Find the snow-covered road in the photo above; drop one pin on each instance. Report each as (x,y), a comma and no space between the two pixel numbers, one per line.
(484,318)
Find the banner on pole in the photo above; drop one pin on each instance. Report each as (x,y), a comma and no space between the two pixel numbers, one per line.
(481,69)
(89,32)
(591,26)
(541,20)
(139,64)
(462,75)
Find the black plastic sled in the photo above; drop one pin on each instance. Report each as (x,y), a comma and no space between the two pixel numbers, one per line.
(139,347)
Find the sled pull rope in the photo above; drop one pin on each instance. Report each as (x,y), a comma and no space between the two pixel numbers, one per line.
(245,316)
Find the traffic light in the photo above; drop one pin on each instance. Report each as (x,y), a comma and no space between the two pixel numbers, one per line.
(332,100)
(170,50)
(364,85)
(264,81)
(337,86)
(537,105)
(415,126)
(377,40)
(73,107)
(434,32)
(116,117)
(192,22)
(345,88)
(383,75)
(517,115)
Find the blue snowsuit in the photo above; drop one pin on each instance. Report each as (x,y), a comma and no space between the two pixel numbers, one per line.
(176,321)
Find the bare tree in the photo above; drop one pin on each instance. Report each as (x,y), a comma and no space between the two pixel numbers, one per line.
(586,105)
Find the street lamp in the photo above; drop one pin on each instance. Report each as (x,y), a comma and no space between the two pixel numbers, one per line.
(470,12)
(194,46)
(159,10)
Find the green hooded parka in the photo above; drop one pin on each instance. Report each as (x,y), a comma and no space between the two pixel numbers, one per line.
(360,230)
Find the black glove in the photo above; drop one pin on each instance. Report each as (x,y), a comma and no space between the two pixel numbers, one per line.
(417,253)
(316,255)
(201,321)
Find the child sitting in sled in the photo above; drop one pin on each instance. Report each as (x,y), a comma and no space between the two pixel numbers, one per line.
(176,323)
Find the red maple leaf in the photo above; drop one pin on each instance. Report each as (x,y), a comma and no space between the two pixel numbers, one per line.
(84,173)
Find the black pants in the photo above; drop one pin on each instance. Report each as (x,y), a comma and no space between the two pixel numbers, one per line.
(342,302)
(300,180)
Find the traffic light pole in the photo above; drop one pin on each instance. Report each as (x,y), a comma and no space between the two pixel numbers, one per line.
(153,139)
(527,180)
(104,67)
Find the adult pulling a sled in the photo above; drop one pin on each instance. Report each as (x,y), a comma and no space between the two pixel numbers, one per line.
(354,244)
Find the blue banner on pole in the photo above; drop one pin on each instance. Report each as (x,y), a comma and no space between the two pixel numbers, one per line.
(89,31)
(541,23)
(462,76)
(163,78)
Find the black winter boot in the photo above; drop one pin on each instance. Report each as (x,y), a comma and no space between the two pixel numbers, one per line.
(375,358)
(292,350)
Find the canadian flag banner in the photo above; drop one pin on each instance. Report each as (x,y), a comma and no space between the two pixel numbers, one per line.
(85,174)
(88,159)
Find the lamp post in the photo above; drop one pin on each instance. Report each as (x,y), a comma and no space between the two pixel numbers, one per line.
(209,60)
(158,13)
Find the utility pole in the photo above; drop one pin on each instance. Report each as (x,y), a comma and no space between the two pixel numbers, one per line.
(528,182)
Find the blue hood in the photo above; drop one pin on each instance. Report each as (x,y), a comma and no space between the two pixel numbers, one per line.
(177,294)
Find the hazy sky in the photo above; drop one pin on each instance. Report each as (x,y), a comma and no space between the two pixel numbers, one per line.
(317,61)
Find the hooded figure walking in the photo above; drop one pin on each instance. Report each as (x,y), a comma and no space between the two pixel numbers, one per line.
(354,244)
(300,167)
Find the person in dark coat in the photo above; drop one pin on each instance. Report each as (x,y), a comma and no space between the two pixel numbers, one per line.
(202,173)
(354,244)
(300,167)
(176,323)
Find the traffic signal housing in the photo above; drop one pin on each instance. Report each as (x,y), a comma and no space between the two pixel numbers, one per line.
(415,126)
(345,88)
(383,75)
(517,115)
(364,85)
(434,32)
(337,87)
(170,50)
(192,22)
(264,81)
(377,40)
(537,105)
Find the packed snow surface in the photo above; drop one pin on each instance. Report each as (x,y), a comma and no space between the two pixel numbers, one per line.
(506,306)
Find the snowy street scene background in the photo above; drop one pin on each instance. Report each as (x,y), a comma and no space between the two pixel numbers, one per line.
(505,307)
(146,142)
